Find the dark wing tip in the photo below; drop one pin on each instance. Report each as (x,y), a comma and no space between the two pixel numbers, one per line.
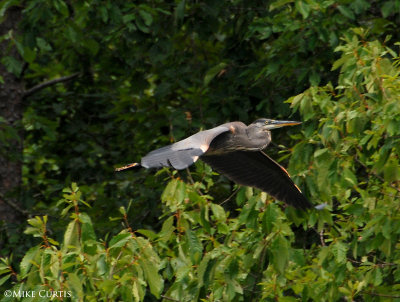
(256,169)
(129,166)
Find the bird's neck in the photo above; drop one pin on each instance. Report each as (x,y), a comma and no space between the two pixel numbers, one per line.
(257,138)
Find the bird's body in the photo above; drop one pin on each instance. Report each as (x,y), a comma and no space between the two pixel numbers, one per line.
(239,137)
(235,150)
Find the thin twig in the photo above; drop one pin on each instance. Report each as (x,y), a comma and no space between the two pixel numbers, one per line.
(383,264)
(192,181)
(370,172)
(189,176)
(230,196)
(321,237)
(381,295)
(115,263)
(41,86)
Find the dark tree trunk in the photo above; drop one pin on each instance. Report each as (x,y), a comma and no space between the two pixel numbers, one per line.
(11,92)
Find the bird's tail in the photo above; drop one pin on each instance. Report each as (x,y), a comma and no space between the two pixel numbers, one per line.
(129,166)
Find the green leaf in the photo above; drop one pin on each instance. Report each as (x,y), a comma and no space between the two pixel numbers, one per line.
(180,11)
(339,250)
(119,240)
(339,62)
(345,11)
(75,285)
(26,262)
(88,236)
(387,8)
(26,52)
(71,235)
(92,45)
(306,108)
(205,270)
(320,152)
(4,279)
(174,193)
(128,18)
(298,257)
(141,25)
(391,170)
(386,247)
(61,7)
(167,229)
(155,281)
(122,210)
(279,3)
(383,157)
(303,8)
(147,17)
(269,218)
(12,65)
(218,211)
(195,247)
(387,229)
(52,241)
(43,45)
(4,5)
(137,292)
(349,177)
(377,276)
(241,196)
(280,251)
(148,233)
(212,72)
(249,213)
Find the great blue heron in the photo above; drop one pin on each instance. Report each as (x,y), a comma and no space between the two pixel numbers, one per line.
(234,150)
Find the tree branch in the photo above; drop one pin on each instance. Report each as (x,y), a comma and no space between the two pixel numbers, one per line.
(41,86)
(381,295)
(370,172)
(230,196)
(13,205)
(321,237)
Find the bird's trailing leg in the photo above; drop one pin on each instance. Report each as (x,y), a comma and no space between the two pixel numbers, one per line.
(129,166)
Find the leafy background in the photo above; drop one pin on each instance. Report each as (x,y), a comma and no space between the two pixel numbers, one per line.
(145,74)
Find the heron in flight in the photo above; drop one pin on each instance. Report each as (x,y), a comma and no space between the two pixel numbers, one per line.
(236,151)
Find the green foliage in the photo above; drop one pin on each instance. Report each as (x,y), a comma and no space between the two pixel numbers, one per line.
(348,157)
(122,267)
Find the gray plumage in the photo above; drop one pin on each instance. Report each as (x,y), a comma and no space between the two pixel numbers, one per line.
(184,153)
(234,150)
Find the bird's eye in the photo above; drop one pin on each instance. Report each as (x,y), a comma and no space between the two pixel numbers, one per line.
(266,122)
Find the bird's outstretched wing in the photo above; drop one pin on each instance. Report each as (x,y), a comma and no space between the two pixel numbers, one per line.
(257,169)
(182,154)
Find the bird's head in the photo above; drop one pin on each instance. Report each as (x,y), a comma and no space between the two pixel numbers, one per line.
(268,124)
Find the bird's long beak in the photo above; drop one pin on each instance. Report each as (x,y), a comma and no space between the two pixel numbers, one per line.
(278,124)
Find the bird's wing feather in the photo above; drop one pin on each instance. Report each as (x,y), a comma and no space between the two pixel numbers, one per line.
(257,169)
(184,153)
